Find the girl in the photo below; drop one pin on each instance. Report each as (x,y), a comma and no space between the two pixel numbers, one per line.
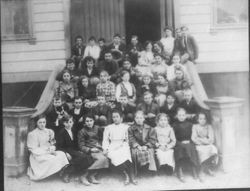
(184,151)
(126,88)
(142,139)
(89,141)
(66,89)
(146,58)
(67,142)
(175,63)
(203,137)
(86,91)
(105,87)
(116,146)
(88,69)
(165,141)
(162,89)
(146,85)
(44,159)
(159,67)
(158,48)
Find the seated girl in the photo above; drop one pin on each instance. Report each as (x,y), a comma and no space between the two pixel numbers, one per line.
(159,67)
(145,85)
(105,87)
(175,63)
(87,92)
(185,153)
(126,88)
(116,147)
(146,58)
(142,139)
(88,69)
(66,89)
(44,159)
(89,141)
(165,142)
(162,88)
(67,142)
(203,138)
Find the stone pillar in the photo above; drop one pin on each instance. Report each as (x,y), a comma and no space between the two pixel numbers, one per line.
(225,114)
(15,129)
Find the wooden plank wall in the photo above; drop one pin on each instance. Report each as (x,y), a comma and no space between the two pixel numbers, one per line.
(220,50)
(22,61)
(99,18)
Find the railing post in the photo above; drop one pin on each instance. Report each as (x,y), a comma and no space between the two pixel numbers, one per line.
(15,130)
(225,114)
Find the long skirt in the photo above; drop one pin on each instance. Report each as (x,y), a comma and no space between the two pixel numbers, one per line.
(101,161)
(119,155)
(186,151)
(205,152)
(165,157)
(45,165)
(141,158)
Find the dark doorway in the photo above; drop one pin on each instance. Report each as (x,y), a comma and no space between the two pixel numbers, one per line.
(142,17)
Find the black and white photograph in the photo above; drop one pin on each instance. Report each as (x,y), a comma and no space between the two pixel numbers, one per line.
(107,95)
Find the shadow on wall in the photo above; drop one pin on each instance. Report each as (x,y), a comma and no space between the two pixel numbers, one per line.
(25,94)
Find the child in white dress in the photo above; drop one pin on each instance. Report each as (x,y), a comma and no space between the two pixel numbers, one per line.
(165,141)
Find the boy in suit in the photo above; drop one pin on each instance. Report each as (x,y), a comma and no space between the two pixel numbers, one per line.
(109,64)
(133,50)
(126,109)
(77,51)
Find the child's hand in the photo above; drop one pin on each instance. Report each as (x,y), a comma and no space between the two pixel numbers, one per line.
(151,115)
(81,119)
(186,142)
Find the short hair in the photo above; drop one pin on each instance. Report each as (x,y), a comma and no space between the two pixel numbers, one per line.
(168,28)
(104,72)
(69,61)
(102,39)
(158,54)
(66,118)
(127,59)
(147,93)
(77,97)
(139,112)
(116,111)
(65,71)
(172,94)
(164,76)
(181,109)
(161,115)
(107,52)
(86,60)
(117,35)
(92,38)
(56,98)
(83,77)
(147,74)
(89,115)
(134,36)
(78,36)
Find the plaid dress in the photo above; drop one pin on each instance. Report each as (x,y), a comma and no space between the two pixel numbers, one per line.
(143,157)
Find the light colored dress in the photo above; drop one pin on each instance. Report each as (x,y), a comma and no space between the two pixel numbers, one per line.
(93,51)
(166,138)
(203,137)
(144,62)
(168,44)
(42,163)
(115,140)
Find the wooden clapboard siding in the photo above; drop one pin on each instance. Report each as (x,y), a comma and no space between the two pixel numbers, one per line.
(22,61)
(220,50)
(100,18)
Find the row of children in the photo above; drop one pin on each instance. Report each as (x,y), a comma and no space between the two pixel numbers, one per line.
(123,147)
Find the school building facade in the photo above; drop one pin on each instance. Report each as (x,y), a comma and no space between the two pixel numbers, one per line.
(37,36)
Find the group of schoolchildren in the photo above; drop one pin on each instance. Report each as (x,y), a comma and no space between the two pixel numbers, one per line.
(125,107)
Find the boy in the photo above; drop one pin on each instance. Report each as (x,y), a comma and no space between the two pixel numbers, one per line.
(101,112)
(71,67)
(126,109)
(126,65)
(149,108)
(133,50)
(170,107)
(55,113)
(190,105)
(103,47)
(106,88)
(77,50)
(78,112)
(109,64)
